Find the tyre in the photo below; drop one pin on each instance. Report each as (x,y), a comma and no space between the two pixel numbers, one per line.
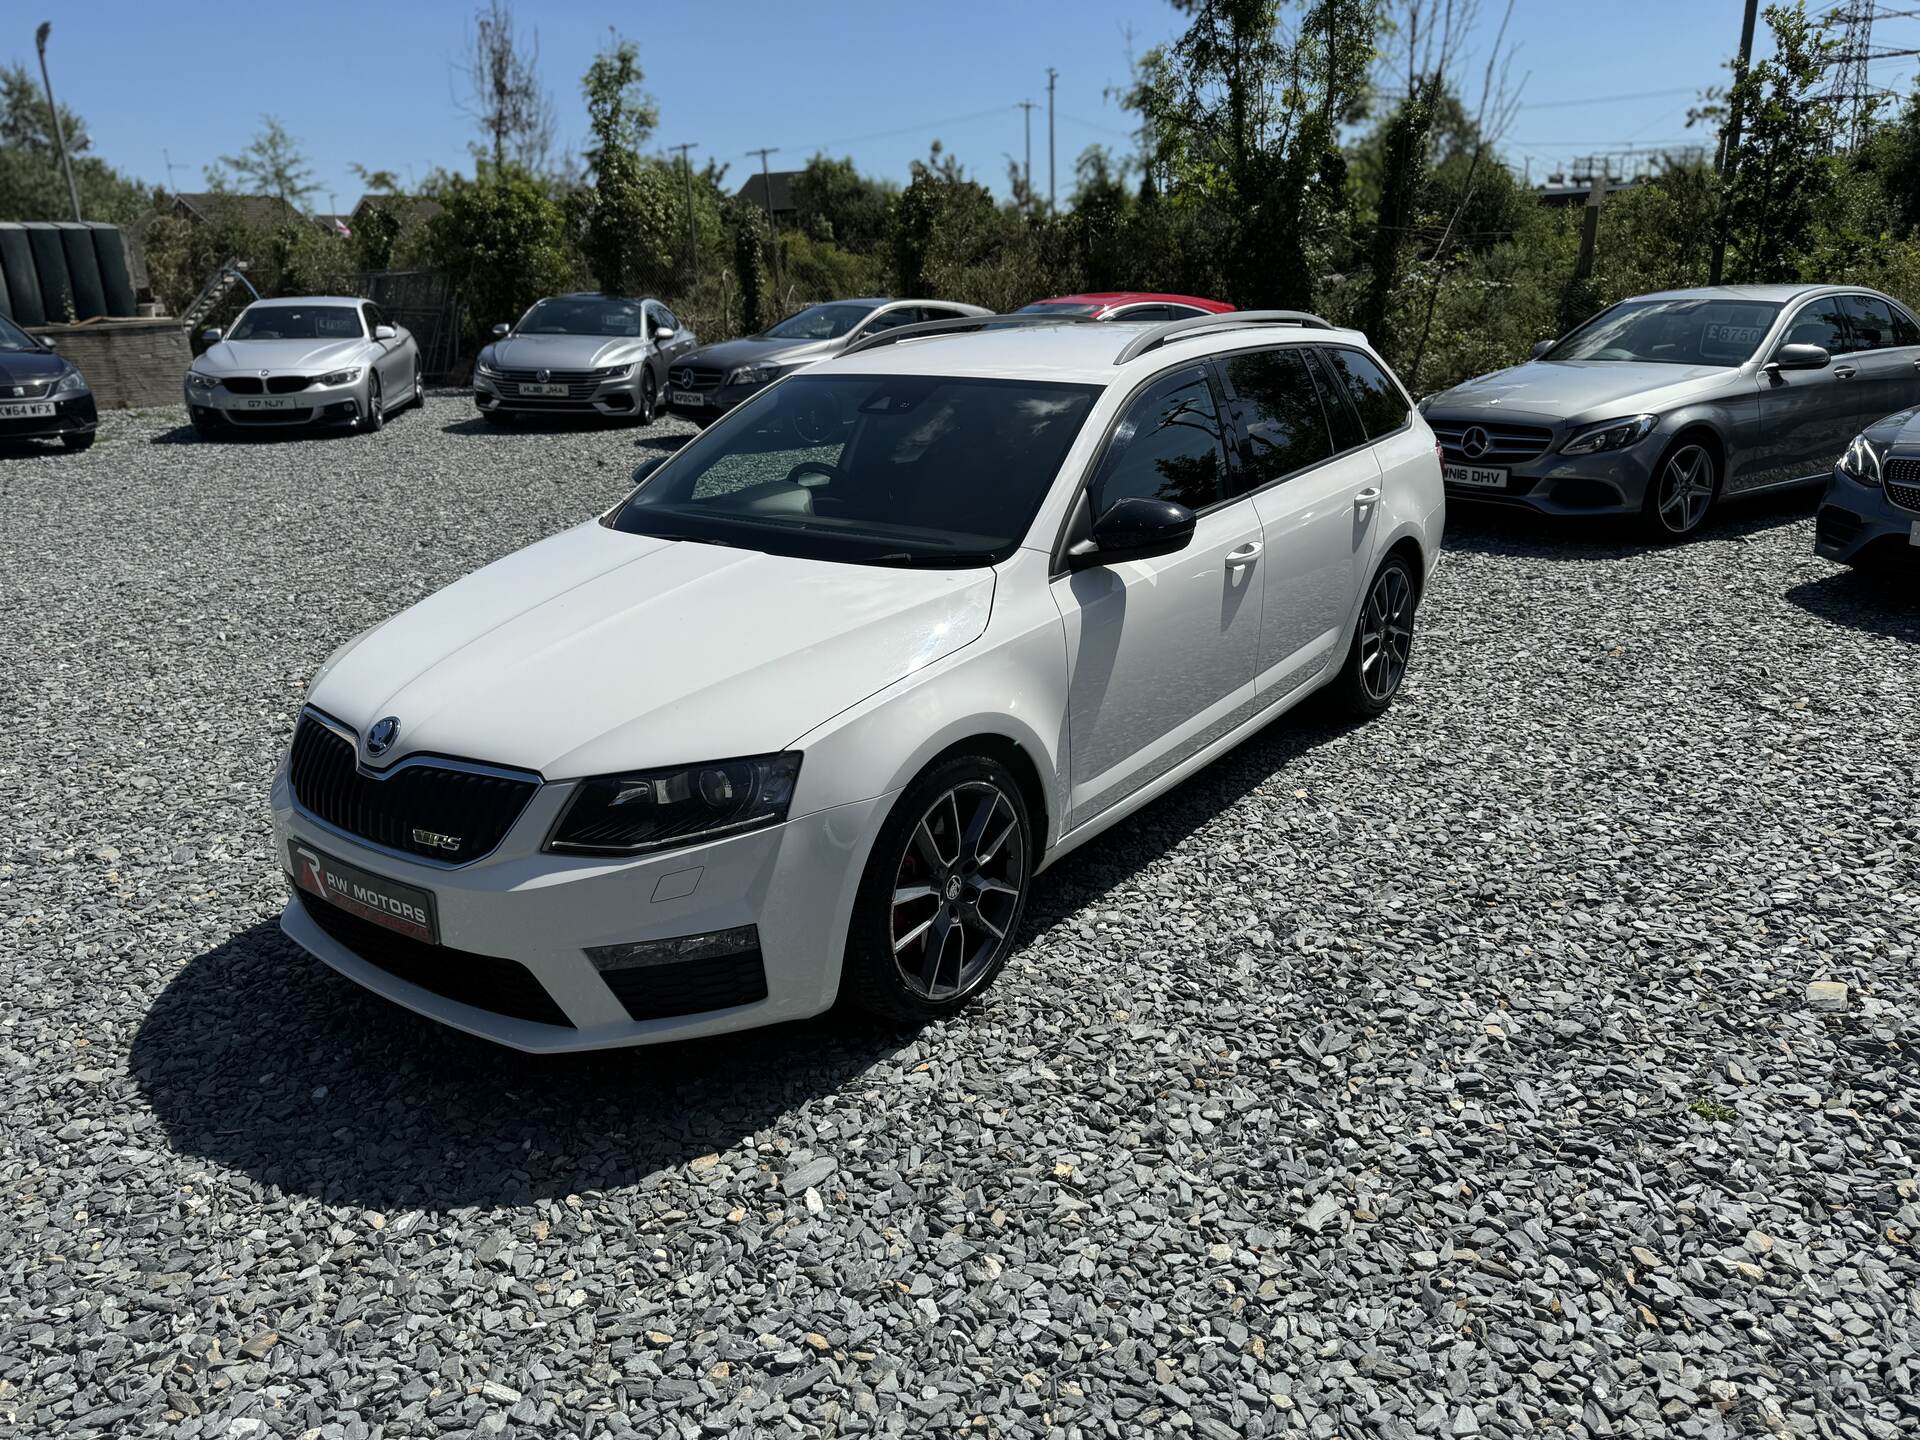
(376,415)
(1681,493)
(419,386)
(649,401)
(1382,642)
(940,902)
(82,441)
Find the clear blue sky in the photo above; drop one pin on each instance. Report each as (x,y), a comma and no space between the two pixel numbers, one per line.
(375,83)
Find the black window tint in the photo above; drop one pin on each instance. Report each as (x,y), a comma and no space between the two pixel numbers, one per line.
(1871,322)
(1378,400)
(1279,412)
(1821,323)
(1905,332)
(1145,314)
(894,319)
(1167,447)
(1346,425)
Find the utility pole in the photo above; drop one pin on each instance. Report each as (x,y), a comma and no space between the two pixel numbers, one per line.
(1028,106)
(766,185)
(687,165)
(1052,75)
(59,130)
(1730,142)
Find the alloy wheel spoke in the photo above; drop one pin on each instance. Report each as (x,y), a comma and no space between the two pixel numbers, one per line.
(918,932)
(977,827)
(929,851)
(907,894)
(941,929)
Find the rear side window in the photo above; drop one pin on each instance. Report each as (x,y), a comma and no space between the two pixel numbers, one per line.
(1871,321)
(1905,332)
(1381,406)
(1167,447)
(1334,400)
(1278,408)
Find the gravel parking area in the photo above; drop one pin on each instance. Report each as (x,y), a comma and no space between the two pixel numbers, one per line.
(1453,1075)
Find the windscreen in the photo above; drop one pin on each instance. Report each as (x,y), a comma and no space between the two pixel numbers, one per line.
(821,322)
(590,315)
(1710,331)
(921,470)
(12,337)
(298,322)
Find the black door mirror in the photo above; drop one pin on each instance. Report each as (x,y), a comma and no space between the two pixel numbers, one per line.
(1540,347)
(1136,528)
(1799,357)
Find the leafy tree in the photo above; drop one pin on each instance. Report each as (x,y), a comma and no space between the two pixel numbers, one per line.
(502,238)
(273,164)
(31,184)
(748,226)
(626,215)
(835,202)
(1245,119)
(1781,173)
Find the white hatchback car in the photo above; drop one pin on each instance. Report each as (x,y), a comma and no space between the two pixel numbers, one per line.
(806,713)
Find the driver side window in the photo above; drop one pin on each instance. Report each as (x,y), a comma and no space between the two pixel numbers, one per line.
(1168,447)
(1819,322)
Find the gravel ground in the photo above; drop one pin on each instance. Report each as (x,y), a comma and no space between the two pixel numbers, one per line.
(1453,1075)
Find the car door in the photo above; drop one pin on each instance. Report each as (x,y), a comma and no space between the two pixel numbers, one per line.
(1808,416)
(1161,651)
(1318,538)
(1889,363)
(383,352)
(670,351)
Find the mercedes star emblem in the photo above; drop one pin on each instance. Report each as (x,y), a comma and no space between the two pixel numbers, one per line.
(1474,443)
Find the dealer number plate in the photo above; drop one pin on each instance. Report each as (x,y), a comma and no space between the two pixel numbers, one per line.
(404,909)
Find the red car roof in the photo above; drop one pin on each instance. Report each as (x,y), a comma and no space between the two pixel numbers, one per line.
(1113,299)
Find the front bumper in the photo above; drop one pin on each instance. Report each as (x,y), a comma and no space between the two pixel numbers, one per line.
(1610,482)
(315,405)
(712,404)
(795,882)
(72,415)
(616,398)
(1858,523)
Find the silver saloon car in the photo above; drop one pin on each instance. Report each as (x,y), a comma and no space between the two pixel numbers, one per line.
(312,359)
(585,354)
(1663,405)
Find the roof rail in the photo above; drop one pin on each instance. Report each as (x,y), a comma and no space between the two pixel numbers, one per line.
(963,325)
(1205,324)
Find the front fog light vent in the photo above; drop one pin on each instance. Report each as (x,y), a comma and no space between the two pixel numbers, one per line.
(642,954)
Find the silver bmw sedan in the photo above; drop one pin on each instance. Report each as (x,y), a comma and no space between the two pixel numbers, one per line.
(1664,405)
(586,354)
(313,359)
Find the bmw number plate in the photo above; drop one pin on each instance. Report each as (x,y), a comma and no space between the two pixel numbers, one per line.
(404,909)
(1478,477)
(26,411)
(266,402)
(686,397)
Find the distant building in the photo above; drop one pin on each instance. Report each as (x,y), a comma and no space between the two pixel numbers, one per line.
(407,209)
(261,210)
(778,183)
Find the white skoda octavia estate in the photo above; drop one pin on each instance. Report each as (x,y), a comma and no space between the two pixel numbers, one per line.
(805,715)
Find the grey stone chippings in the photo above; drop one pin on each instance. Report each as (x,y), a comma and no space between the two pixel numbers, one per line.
(1452,1075)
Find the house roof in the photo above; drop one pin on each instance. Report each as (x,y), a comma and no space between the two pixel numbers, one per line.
(254,209)
(754,191)
(407,207)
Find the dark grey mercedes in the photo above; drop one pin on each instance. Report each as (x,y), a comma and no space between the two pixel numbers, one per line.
(1664,405)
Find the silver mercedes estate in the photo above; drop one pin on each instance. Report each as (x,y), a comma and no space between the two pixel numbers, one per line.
(1663,405)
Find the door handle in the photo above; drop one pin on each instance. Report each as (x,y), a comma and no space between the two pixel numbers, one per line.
(1245,555)
(1367,497)
(1843,372)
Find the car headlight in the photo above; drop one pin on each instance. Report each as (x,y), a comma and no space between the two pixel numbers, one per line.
(613,372)
(1861,463)
(1612,435)
(71,383)
(484,366)
(756,374)
(661,809)
(340,377)
(197,381)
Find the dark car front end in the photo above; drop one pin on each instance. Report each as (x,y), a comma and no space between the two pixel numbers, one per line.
(43,396)
(705,385)
(1870,513)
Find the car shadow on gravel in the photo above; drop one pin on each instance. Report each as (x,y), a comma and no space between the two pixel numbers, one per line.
(1493,529)
(259,1058)
(538,425)
(1879,602)
(263,435)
